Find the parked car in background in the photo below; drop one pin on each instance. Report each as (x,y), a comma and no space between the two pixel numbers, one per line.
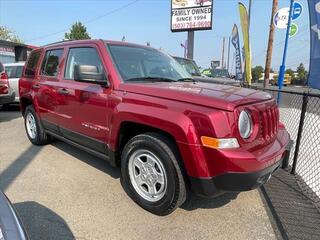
(10,225)
(286,81)
(14,72)
(7,95)
(192,68)
(139,109)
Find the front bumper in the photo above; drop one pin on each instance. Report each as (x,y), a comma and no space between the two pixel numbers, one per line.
(236,181)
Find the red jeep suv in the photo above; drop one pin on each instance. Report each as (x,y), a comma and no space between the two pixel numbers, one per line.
(137,108)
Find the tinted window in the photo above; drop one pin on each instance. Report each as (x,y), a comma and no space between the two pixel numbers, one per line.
(82,56)
(32,64)
(50,63)
(1,67)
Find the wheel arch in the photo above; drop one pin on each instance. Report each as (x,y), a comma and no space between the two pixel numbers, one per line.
(24,103)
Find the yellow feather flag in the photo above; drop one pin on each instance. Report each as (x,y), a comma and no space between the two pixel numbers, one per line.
(245,33)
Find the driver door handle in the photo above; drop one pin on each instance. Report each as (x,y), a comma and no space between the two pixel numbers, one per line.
(63,91)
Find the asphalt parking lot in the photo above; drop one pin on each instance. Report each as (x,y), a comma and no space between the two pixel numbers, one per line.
(61,192)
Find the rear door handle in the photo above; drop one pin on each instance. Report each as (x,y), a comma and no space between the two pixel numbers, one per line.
(36,86)
(63,91)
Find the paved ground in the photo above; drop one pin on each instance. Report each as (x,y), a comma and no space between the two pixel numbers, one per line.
(63,193)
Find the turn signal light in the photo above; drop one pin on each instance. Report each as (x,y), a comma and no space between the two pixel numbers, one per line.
(216,143)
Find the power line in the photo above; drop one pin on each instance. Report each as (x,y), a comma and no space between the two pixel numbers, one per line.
(88,21)
(281,42)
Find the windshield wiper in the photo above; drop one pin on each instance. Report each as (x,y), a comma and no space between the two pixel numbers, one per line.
(187,80)
(152,79)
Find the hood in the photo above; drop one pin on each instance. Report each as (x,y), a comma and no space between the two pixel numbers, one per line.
(220,80)
(206,94)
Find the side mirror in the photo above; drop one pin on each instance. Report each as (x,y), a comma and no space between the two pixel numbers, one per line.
(89,73)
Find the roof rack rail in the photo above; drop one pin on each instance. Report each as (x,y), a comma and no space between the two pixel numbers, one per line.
(66,40)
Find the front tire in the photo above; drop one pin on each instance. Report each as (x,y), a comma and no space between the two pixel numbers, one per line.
(34,129)
(150,173)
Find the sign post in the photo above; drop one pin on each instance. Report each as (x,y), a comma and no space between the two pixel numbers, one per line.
(295,11)
(189,16)
(190,45)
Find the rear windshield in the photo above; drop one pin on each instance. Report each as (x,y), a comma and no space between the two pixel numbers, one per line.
(14,71)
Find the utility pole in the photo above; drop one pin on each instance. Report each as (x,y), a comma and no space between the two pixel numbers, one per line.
(228,62)
(190,44)
(222,58)
(275,5)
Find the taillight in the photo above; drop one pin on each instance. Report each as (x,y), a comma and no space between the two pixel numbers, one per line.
(4,76)
(4,83)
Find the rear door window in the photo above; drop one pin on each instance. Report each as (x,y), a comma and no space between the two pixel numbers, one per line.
(50,63)
(32,64)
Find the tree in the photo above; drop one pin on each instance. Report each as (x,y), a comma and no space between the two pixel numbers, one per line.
(8,35)
(302,73)
(77,32)
(257,72)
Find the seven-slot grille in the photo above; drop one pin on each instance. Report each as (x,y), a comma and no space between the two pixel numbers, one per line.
(269,122)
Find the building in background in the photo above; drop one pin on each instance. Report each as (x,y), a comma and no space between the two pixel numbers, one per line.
(11,52)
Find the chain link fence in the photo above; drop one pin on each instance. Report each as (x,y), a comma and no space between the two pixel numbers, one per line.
(300,113)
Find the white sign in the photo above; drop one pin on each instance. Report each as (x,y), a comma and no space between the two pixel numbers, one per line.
(281,18)
(7,51)
(191,15)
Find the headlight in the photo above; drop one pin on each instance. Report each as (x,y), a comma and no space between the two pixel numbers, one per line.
(245,124)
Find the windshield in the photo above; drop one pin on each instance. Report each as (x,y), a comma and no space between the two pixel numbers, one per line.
(144,63)
(190,66)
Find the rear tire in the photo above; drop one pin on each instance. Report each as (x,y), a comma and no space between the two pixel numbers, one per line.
(33,127)
(150,173)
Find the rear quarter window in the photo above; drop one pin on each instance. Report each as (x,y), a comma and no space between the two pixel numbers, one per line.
(32,63)
(11,71)
(19,71)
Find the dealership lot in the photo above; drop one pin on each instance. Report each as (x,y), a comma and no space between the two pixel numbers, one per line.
(63,193)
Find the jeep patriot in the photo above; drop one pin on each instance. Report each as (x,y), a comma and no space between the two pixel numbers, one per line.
(138,109)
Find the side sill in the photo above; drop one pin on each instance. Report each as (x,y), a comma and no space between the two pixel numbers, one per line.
(110,159)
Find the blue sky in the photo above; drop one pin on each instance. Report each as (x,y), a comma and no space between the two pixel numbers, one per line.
(39,22)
